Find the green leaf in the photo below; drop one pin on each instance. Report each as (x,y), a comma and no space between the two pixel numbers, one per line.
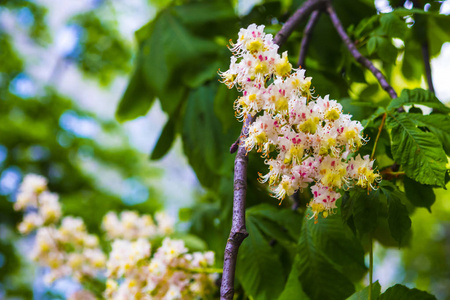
(165,140)
(204,12)
(372,44)
(170,51)
(364,293)
(223,106)
(437,32)
(419,153)
(419,194)
(191,241)
(401,292)
(418,96)
(438,124)
(328,252)
(293,288)
(365,207)
(394,26)
(412,65)
(386,50)
(398,218)
(259,269)
(137,99)
(202,135)
(285,218)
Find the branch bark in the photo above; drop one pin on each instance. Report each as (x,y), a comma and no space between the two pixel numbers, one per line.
(238,230)
(426,60)
(297,18)
(306,37)
(425,51)
(356,54)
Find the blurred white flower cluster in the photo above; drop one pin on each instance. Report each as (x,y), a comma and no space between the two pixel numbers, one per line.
(171,273)
(130,226)
(130,270)
(67,249)
(306,140)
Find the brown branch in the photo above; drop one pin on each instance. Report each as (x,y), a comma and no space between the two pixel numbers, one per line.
(356,54)
(426,60)
(295,19)
(238,230)
(306,37)
(425,51)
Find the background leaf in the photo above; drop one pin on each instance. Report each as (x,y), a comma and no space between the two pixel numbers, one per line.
(419,153)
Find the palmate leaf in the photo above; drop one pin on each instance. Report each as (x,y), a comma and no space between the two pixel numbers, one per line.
(293,288)
(328,253)
(259,269)
(137,99)
(439,124)
(418,96)
(398,218)
(419,194)
(393,25)
(202,135)
(401,292)
(165,139)
(365,207)
(420,153)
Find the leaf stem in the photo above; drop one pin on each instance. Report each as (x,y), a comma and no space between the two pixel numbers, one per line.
(378,136)
(205,270)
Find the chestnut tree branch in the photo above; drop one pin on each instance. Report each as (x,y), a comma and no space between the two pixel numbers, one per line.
(426,60)
(301,13)
(238,230)
(307,37)
(356,54)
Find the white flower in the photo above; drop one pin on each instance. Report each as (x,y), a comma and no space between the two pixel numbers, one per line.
(125,255)
(49,207)
(311,136)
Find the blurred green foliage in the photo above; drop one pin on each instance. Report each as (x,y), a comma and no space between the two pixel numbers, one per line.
(179,52)
(40,133)
(101,52)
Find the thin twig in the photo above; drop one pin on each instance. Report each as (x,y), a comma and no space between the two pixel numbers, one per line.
(295,19)
(356,54)
(238,230)
(425,51)
(378,136)
(426,60)
(307,37)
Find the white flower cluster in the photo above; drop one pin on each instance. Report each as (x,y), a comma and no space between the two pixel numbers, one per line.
(129,225)
(171,273)
(43,206)
(67,249)
(311,137)
(131,271)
